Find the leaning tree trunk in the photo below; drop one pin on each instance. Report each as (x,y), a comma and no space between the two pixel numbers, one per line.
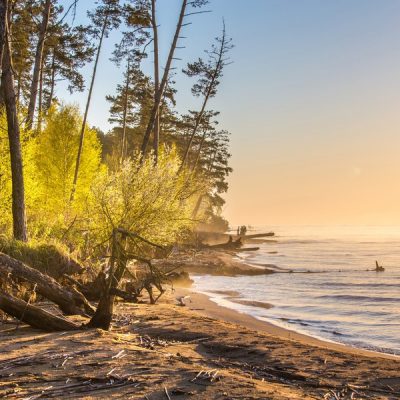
(40,106)
(199,151)
(156,138)
(82,136)
(198,120)
(38,64)
(70,302)
(7,80)
(160,91)
(125,113)
(52,79)
(3,26)
(34,316)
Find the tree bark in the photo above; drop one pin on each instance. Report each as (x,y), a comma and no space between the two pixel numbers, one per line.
(52,79)
(3,27)
(7,79)
(156,138)
(104,312)
(40,107)
(164,80)
(200,116)
(199,151)
(125,113)
(80,149)
(34,316)
(70,302)
(38,63)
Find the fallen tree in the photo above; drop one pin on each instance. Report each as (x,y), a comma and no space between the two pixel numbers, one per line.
(71,302)
(50,259)
(229,245)
(34,316)
(258,235)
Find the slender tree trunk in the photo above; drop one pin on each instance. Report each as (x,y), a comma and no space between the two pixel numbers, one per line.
(52,79)
(199,151)
(18,90)
(125,113)
(156,139)
(7,79)
(197,207)
(40,109)
(38,63)
(217,70)
(3,27)
(200,116)
(80,148)
(164,80)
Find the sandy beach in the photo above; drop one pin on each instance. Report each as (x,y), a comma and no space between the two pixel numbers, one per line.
(198,351)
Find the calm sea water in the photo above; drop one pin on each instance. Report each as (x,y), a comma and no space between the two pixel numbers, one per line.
(330,294)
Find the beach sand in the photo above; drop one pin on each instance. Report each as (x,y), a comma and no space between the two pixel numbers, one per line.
(198,351)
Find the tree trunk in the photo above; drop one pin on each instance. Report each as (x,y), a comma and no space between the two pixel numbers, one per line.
(218,67)
(34,316)
(40,108)
(70,302)
(52,79)
(198,121)
(156,138)
(164,80)
(3,27)
(125,113)
(38,63)
(104,312)
(199,151)
(80,149)
(7,79)
(197,207)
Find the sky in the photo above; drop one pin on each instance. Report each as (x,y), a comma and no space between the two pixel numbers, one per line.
(312,101)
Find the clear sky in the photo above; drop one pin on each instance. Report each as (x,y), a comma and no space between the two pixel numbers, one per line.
(312,101)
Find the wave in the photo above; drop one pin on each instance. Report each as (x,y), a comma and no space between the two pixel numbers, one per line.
(362,298)
(366,285)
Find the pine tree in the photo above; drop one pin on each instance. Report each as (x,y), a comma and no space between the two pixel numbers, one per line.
(209,74)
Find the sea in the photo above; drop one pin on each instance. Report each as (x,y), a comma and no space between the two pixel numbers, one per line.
(324,284)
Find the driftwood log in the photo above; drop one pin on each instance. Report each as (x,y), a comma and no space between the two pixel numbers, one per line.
(229,245)
(71,302)
(34,316)
(258,235)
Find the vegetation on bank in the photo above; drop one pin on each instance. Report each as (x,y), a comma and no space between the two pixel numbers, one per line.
(74,183)
(114,199)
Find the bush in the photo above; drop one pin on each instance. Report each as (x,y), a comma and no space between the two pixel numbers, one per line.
(151,200)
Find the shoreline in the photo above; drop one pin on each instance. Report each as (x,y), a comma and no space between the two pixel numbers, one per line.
(200,351)
(204,305)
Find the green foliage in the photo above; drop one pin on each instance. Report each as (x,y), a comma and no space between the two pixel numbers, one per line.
(56,150)
(151,200)
(49,161)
